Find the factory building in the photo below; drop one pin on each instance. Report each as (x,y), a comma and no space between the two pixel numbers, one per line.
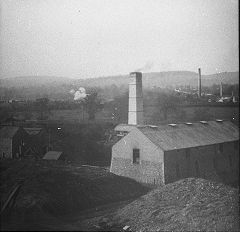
(164,154)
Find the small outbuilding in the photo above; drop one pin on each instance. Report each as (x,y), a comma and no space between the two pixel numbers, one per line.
(163,154)
(53,155)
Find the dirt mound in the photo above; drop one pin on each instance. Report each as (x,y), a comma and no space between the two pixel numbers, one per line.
(187,205)
(54,189)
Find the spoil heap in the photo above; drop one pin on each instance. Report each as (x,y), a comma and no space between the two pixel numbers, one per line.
(186,205)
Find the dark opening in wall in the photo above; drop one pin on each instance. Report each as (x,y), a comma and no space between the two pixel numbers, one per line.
(136,156)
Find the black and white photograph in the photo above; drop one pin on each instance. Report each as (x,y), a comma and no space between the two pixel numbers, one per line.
(119,115)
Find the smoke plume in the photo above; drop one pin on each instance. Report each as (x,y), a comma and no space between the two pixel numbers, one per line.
(146,67)
(80,94)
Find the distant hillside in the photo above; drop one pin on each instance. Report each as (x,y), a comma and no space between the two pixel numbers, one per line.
(189,78)
(157,79)
(163,79)
(30,81)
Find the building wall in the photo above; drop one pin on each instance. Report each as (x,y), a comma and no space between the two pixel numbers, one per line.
(150,169)
(205,162)
(227,163)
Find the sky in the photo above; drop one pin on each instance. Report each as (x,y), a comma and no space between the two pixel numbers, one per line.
(92,38)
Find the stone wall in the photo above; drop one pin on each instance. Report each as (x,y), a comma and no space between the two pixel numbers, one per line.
(145,172)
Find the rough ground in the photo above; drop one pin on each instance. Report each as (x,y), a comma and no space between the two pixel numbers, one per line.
(53,191)
(57,196)
(187,205)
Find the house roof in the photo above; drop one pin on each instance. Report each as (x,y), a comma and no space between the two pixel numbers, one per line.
(179,136)
(8,131)
(33,131)
(52,155)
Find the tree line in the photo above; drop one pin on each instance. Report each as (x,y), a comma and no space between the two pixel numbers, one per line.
(164,101)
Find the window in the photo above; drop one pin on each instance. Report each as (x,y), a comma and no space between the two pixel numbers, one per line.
(136,156)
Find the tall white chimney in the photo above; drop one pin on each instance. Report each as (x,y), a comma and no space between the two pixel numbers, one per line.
(135,103)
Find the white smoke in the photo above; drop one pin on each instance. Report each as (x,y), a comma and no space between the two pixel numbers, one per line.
(80,94)
(146,67)
(72,91)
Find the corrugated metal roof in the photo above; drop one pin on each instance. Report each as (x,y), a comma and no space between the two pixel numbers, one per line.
(52,155)
(195,135)
(8,131)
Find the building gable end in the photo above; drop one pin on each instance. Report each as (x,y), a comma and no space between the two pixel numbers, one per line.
(130,134)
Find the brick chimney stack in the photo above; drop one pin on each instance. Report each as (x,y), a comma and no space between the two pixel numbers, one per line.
(135,103)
